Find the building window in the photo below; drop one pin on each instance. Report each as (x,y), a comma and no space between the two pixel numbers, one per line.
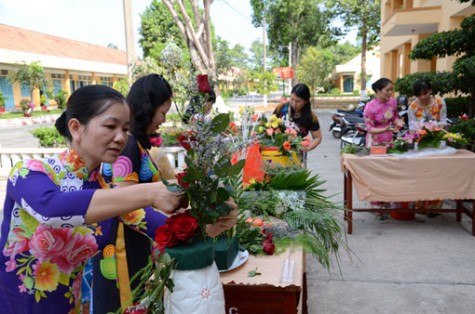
(106,80)
(25,90)
(57,86)
(348,85)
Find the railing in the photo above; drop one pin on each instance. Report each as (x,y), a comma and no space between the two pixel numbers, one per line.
(10,156)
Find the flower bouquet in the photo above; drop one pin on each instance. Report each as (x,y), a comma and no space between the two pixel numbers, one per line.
(403,144)
(280,133)
(280,142)
(430,135)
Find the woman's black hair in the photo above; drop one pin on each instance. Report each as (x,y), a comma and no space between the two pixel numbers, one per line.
(302,91)
(86,103)
(146,95)
(421,87)
(380,84)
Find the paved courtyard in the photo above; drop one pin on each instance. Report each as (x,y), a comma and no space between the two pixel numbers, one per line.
(421,266)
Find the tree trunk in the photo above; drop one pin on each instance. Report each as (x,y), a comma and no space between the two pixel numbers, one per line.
(199,41)
(364,35)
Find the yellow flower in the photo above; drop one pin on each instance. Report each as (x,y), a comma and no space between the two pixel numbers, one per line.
(273,118)
(275,124)
(47,276)
(134,218)
(279,121)
(268,125)
(261,129)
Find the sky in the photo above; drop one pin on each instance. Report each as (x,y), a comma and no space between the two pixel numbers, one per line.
(102,22)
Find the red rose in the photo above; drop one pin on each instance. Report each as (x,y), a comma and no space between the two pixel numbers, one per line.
(203,84)
(268,246)
(179,177)
(184,226)
(165,237)
(185,140)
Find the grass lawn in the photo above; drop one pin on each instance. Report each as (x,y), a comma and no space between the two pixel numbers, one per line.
(36,113)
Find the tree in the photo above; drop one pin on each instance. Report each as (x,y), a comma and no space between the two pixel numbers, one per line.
(157,28)
(365,16)
(196,30)
(299,22)
(33,76)
(459,43)
(314,67)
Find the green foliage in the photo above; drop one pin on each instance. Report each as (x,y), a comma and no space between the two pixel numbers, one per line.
(3,100)
(354,149)
(265,83)
(122,86)
(467,129)
(31,75)
(458,43)
(49,137)
(314,67)
(43,100)
(297,197)
(60,99)
(157,27)
(457,106)
(301,22)
(441,82)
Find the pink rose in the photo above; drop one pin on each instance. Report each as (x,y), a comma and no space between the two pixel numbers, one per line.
(83,247)
(48,242)
(270,131)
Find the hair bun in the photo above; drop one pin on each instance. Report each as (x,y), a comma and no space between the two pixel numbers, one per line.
(61,124)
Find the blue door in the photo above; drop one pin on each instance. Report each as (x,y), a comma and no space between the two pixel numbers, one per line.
(348,84)
(7,90)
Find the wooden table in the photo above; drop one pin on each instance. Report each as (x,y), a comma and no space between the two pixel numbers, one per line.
(399,179)
(268,292)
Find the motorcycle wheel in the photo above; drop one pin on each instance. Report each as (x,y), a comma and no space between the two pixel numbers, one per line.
(336,134)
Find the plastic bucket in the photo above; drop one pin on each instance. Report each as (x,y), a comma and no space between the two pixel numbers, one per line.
(271,155)
(402,215)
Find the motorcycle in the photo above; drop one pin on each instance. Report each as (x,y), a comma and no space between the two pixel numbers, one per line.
(339,127)
(355,137)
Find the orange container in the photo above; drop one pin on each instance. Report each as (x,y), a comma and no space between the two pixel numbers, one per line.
(402,215)
(378,150)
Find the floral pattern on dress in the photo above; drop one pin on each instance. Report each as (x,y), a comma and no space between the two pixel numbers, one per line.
(436,111)
(46,252)
(379,114)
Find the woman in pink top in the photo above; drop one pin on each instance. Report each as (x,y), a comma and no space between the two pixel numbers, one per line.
(380,114)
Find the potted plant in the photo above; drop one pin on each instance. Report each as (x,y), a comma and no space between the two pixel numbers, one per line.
(3,101)
(27,106)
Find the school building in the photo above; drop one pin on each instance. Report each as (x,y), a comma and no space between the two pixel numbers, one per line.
(405,22)
(68,64)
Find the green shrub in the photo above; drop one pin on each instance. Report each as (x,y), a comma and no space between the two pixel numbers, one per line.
(457,106)
(60,99)
(467,129)
(335,91)
(49,137)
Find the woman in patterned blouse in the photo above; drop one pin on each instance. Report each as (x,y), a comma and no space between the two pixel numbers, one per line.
(59,211)
(426,107)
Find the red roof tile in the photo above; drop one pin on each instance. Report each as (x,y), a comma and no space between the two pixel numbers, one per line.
(18,39)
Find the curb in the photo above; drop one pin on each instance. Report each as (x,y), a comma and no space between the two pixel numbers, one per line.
(5,123)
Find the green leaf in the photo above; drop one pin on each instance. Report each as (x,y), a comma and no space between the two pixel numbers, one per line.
(253,273)
(220,123)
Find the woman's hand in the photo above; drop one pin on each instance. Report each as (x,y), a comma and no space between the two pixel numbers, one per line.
(166,201)
(224,222)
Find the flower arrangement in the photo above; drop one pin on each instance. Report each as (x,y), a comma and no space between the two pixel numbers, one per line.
(430,135)
(280,133)
(403,144)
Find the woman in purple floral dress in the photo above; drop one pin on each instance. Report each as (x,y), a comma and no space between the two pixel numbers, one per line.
(58,211)
(380,114)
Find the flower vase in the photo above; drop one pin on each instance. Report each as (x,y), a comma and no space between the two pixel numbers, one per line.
(272,155)
(197,284)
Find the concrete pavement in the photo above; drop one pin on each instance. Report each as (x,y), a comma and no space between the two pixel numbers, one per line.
(421,266)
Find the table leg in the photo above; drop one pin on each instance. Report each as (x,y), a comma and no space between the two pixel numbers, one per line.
(473,217)
(349,202)
(459,207)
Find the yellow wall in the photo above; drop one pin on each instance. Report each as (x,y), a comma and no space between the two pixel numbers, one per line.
(399,16)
